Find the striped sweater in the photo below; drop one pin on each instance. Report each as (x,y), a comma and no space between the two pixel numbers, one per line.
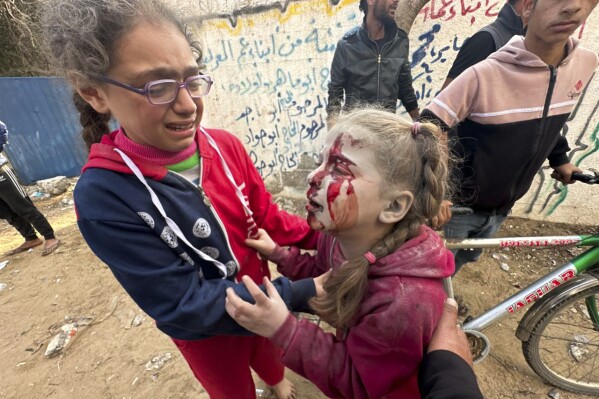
(508,111)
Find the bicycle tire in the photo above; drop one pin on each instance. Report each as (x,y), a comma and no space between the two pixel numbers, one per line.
(563,347)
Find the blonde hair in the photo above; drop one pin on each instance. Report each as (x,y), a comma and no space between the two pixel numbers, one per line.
(415,162)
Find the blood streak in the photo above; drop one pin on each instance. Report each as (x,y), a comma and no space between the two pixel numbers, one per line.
(336,161)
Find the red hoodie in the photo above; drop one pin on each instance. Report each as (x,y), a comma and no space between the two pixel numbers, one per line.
(379,356)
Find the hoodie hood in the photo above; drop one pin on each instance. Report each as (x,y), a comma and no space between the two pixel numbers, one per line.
(103,156)
(510,19)
(514,52)
(423,256)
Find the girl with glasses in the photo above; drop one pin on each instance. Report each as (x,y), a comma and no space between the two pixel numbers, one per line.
(165,202)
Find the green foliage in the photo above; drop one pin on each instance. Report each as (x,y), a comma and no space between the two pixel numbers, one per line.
(21,52)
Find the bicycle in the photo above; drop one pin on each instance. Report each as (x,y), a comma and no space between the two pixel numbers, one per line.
(560,332)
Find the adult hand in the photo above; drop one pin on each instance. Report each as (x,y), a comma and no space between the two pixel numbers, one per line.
(266,316)
(448,336)
(319,283)
(262,243)
(443,216)
(563,173)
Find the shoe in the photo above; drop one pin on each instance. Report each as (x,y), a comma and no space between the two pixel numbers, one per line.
(27,245)
(51,248)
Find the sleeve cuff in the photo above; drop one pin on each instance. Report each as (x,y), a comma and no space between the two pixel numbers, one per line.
(278,254)
(412,105)
(282,337)
(558,160)
(301,292)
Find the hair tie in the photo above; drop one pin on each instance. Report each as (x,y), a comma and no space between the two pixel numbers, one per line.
(415,129)
(369,256)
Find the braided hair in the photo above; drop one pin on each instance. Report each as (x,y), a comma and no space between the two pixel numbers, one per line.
(414,159)
(82,36)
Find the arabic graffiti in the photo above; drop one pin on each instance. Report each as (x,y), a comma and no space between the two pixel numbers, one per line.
(446,10)
(270,63)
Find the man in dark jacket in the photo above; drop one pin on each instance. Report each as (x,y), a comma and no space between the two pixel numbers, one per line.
(19,211)
(489,39)
(371,64)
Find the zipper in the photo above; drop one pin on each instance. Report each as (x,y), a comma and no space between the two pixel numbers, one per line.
(541,130)
(378,68)
(218,219)
(552,79)
(378,78)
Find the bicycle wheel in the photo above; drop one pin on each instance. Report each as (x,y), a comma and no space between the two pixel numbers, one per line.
(563,348)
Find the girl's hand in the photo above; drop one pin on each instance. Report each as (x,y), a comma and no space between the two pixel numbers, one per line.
(319,283)
(266,316)
(262,243)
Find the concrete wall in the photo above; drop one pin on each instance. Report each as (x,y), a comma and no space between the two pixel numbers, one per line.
(270,61)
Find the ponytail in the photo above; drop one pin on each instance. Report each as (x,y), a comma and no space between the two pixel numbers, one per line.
(347,285)
(94,124)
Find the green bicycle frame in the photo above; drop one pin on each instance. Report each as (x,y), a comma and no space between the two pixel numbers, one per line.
(581,263)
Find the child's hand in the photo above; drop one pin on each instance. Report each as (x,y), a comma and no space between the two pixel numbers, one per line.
(262,243)
(319,283)
(266,316)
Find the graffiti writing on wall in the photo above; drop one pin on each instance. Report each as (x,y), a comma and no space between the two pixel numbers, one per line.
(271,66)
(270,62)
(446,10)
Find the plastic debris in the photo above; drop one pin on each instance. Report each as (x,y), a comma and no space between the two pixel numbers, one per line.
(138,320)
(158,361)
(3,264)
(65,336)
(578,351)
(553,394)
(2,287)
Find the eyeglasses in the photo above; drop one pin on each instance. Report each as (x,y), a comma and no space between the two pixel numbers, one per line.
(164,91)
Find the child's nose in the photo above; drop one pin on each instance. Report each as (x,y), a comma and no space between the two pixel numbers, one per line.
(315,177)
(184,103)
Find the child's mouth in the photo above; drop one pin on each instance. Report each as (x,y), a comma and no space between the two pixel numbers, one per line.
(313,207)
(178,127)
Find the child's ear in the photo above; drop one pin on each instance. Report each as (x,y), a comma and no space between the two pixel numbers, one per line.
(397,208)
(94,97)
(527,7)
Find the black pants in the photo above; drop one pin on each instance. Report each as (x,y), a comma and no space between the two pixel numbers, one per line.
(18,209)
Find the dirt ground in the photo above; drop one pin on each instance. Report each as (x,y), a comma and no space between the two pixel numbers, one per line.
(109,357)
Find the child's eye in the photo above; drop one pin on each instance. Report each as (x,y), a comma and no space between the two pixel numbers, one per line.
(341,168)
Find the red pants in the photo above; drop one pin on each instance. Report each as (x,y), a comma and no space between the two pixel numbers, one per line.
(222,364)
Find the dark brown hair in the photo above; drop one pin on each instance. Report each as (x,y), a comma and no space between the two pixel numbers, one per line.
(82,37)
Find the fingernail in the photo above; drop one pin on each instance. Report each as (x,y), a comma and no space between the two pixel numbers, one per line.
(452,302)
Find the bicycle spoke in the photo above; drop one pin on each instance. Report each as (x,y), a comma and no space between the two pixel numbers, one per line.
(564,346)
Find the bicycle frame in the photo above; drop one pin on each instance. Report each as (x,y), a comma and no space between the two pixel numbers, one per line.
(581,263)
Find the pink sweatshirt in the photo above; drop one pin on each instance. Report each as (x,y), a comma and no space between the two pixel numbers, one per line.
(379,356)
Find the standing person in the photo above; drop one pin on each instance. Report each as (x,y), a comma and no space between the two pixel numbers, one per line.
(371,64)
(381,179)
(18,209)
(165,202)
(489,39)
(511,108)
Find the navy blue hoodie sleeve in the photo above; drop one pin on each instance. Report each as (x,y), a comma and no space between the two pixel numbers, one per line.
(168,289)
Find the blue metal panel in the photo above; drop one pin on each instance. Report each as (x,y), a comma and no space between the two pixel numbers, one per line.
(43,126)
